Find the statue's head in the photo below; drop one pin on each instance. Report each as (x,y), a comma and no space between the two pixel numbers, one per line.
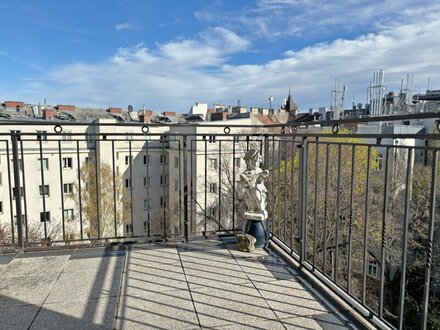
(252,154)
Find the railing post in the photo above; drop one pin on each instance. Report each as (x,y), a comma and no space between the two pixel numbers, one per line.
(185,191)
(303,201)
(15,137)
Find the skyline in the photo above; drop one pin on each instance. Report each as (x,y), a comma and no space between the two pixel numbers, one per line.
(169,55)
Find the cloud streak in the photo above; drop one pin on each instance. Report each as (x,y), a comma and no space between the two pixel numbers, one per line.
(125,26)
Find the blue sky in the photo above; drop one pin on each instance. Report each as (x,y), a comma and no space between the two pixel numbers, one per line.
(167,55)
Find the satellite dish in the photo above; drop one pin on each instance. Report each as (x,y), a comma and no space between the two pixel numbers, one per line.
(130,108)
(359,105)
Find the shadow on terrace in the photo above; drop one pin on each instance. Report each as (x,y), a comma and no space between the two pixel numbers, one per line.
(203,284)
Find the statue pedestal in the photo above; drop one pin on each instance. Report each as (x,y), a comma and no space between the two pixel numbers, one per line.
(258,229)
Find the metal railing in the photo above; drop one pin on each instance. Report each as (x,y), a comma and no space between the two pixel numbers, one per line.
(358,211)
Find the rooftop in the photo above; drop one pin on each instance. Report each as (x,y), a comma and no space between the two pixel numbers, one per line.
(200,285)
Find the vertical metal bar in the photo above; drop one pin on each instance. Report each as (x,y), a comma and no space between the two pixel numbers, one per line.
(42,183)
(292,208)
(315,211)
(303,201)
(10,189)
(130,164)
(233,184)
(179,184)
(115,217)
(147,155)
(79,190)
(185,190)
(409,175)
(23,177)
(272,202)
(193,207)
(366,214)
(278,192)
(15,136)
(97,182)
(285,191)
(430,238)
(219,184)
(60,162)
(384,233)
(164,220)
(206,188)
(338,204)
(324,251)
(350,225)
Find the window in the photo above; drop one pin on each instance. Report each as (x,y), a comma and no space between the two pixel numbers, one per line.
(163,159)
(163,202)
(145,226)
(90,138)
(15,194)
(373,268)
(164,179)
(68,188)
(42,135)
(176,185)
(1,207)
(146,182)
(128,160)
(45,216)
(43,162)
(213,187)
(212,139)
(237,161)
(129,228)
(213,163)
(67,135)
(147,159)
(127,183)
(67,163)
(213,211)
(379,161)
(147,204)
(176,162)
(44,190)
(68,214)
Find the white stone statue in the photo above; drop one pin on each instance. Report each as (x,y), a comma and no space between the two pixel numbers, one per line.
(253,183)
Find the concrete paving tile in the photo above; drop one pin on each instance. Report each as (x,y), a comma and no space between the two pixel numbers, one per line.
(144,259)
(84,314)
(160,310)
(201,259)
(233,249)
(26,289)
(19,317)
(215,276)
(288,298)
(230,305)
(272,325)
(75,286)
(261,270)
(139,281)
(93,264)
(326,321)
(35,265)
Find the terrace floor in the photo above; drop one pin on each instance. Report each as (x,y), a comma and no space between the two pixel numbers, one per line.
(206,284)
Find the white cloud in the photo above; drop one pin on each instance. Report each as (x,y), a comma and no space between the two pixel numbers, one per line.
(125,26)
(176,74)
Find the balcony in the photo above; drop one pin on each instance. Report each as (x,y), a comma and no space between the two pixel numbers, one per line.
(203,284)
(356,215)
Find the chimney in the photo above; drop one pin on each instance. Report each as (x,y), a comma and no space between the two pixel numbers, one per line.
(114,110)
(65,107)
(48,114)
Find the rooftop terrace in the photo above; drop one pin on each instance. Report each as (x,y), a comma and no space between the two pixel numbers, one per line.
(204,284)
